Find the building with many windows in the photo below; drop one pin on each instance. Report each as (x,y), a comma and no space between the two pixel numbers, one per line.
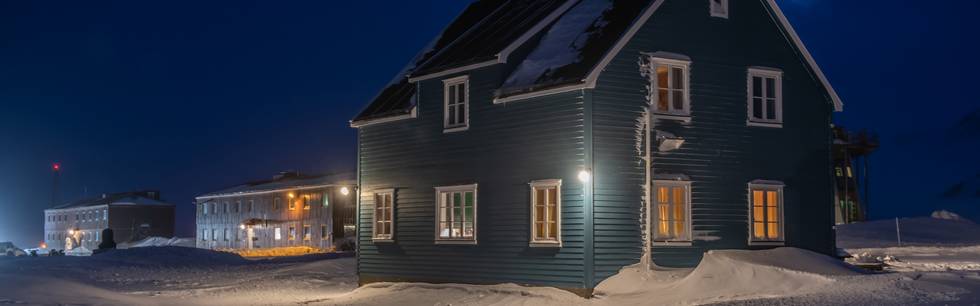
(553,142)
(288,210)
(131,216)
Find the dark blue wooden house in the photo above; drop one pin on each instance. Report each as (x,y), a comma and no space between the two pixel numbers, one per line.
(553,142)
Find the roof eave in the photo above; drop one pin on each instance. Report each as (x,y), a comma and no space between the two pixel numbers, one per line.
(384,119)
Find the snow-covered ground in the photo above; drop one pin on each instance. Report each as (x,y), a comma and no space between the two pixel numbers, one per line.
(939,268)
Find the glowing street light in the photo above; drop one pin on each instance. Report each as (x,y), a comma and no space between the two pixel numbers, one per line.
(344,190)
(292,195)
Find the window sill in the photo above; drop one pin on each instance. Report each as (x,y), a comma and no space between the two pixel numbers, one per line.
(456,242)
(673,243)
(545,244)
(764,124)
(455,129)
(383,240)
(767,243)
(675,117)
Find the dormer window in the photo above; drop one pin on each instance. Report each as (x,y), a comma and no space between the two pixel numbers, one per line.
(457,104)
(719,8)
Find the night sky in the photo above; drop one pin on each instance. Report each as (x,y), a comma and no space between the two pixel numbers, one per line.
(188,97)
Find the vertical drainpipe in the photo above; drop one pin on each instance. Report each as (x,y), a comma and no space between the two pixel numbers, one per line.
(648,192)
(589,187)
(357,204)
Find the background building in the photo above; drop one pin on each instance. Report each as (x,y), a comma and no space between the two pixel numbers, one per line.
(131,215)
(289,210)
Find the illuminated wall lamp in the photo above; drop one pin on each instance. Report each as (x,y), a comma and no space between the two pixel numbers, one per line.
(344,190)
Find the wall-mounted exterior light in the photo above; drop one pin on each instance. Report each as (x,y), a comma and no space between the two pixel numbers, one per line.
(344,190)
(242,226)
(291,195)
(584,176)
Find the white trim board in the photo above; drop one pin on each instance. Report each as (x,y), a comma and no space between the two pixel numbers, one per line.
(838,104)
(411,115)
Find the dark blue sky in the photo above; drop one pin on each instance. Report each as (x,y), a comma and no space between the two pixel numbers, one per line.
(189,96)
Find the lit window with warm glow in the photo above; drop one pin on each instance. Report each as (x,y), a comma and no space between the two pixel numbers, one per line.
(306,202)
(766,215)
(672,205)
(292,203)
(291,233)
(278,233)
(456,211)
(669,77)
(765,93)
(384,213)
(546,213)
(307,233)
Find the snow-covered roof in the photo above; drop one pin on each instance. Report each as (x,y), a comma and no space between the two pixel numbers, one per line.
(284,182)
(566,44)
(149,198)
(573,45)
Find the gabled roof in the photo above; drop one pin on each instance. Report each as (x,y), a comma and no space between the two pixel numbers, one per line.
(570,43)
(489,37)
(287,181)
(573,45)
(397,98)
(123,198)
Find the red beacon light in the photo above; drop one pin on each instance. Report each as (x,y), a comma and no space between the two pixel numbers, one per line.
(56,167)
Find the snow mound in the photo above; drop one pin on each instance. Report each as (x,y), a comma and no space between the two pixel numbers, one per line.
(159,242)
(170,256)
(926,231)
(729,275)
(947,215)
(79,251)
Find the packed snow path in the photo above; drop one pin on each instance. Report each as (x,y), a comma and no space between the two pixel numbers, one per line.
(938,264)
(184,276)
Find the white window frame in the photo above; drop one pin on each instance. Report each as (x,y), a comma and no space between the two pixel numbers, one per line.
(307,232)
(719,8)
(767,186)
(686,237)
(381,237)
(448,83)
(449,189)
(548,184)
(276,203)
(670,63)
(764,73)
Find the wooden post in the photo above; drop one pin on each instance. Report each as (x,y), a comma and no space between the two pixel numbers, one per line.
(898,232)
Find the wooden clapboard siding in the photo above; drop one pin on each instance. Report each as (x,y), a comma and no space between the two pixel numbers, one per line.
(721,153)
(505,147)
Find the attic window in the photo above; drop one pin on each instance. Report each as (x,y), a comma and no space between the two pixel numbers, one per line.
(719,8)
(457,97)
